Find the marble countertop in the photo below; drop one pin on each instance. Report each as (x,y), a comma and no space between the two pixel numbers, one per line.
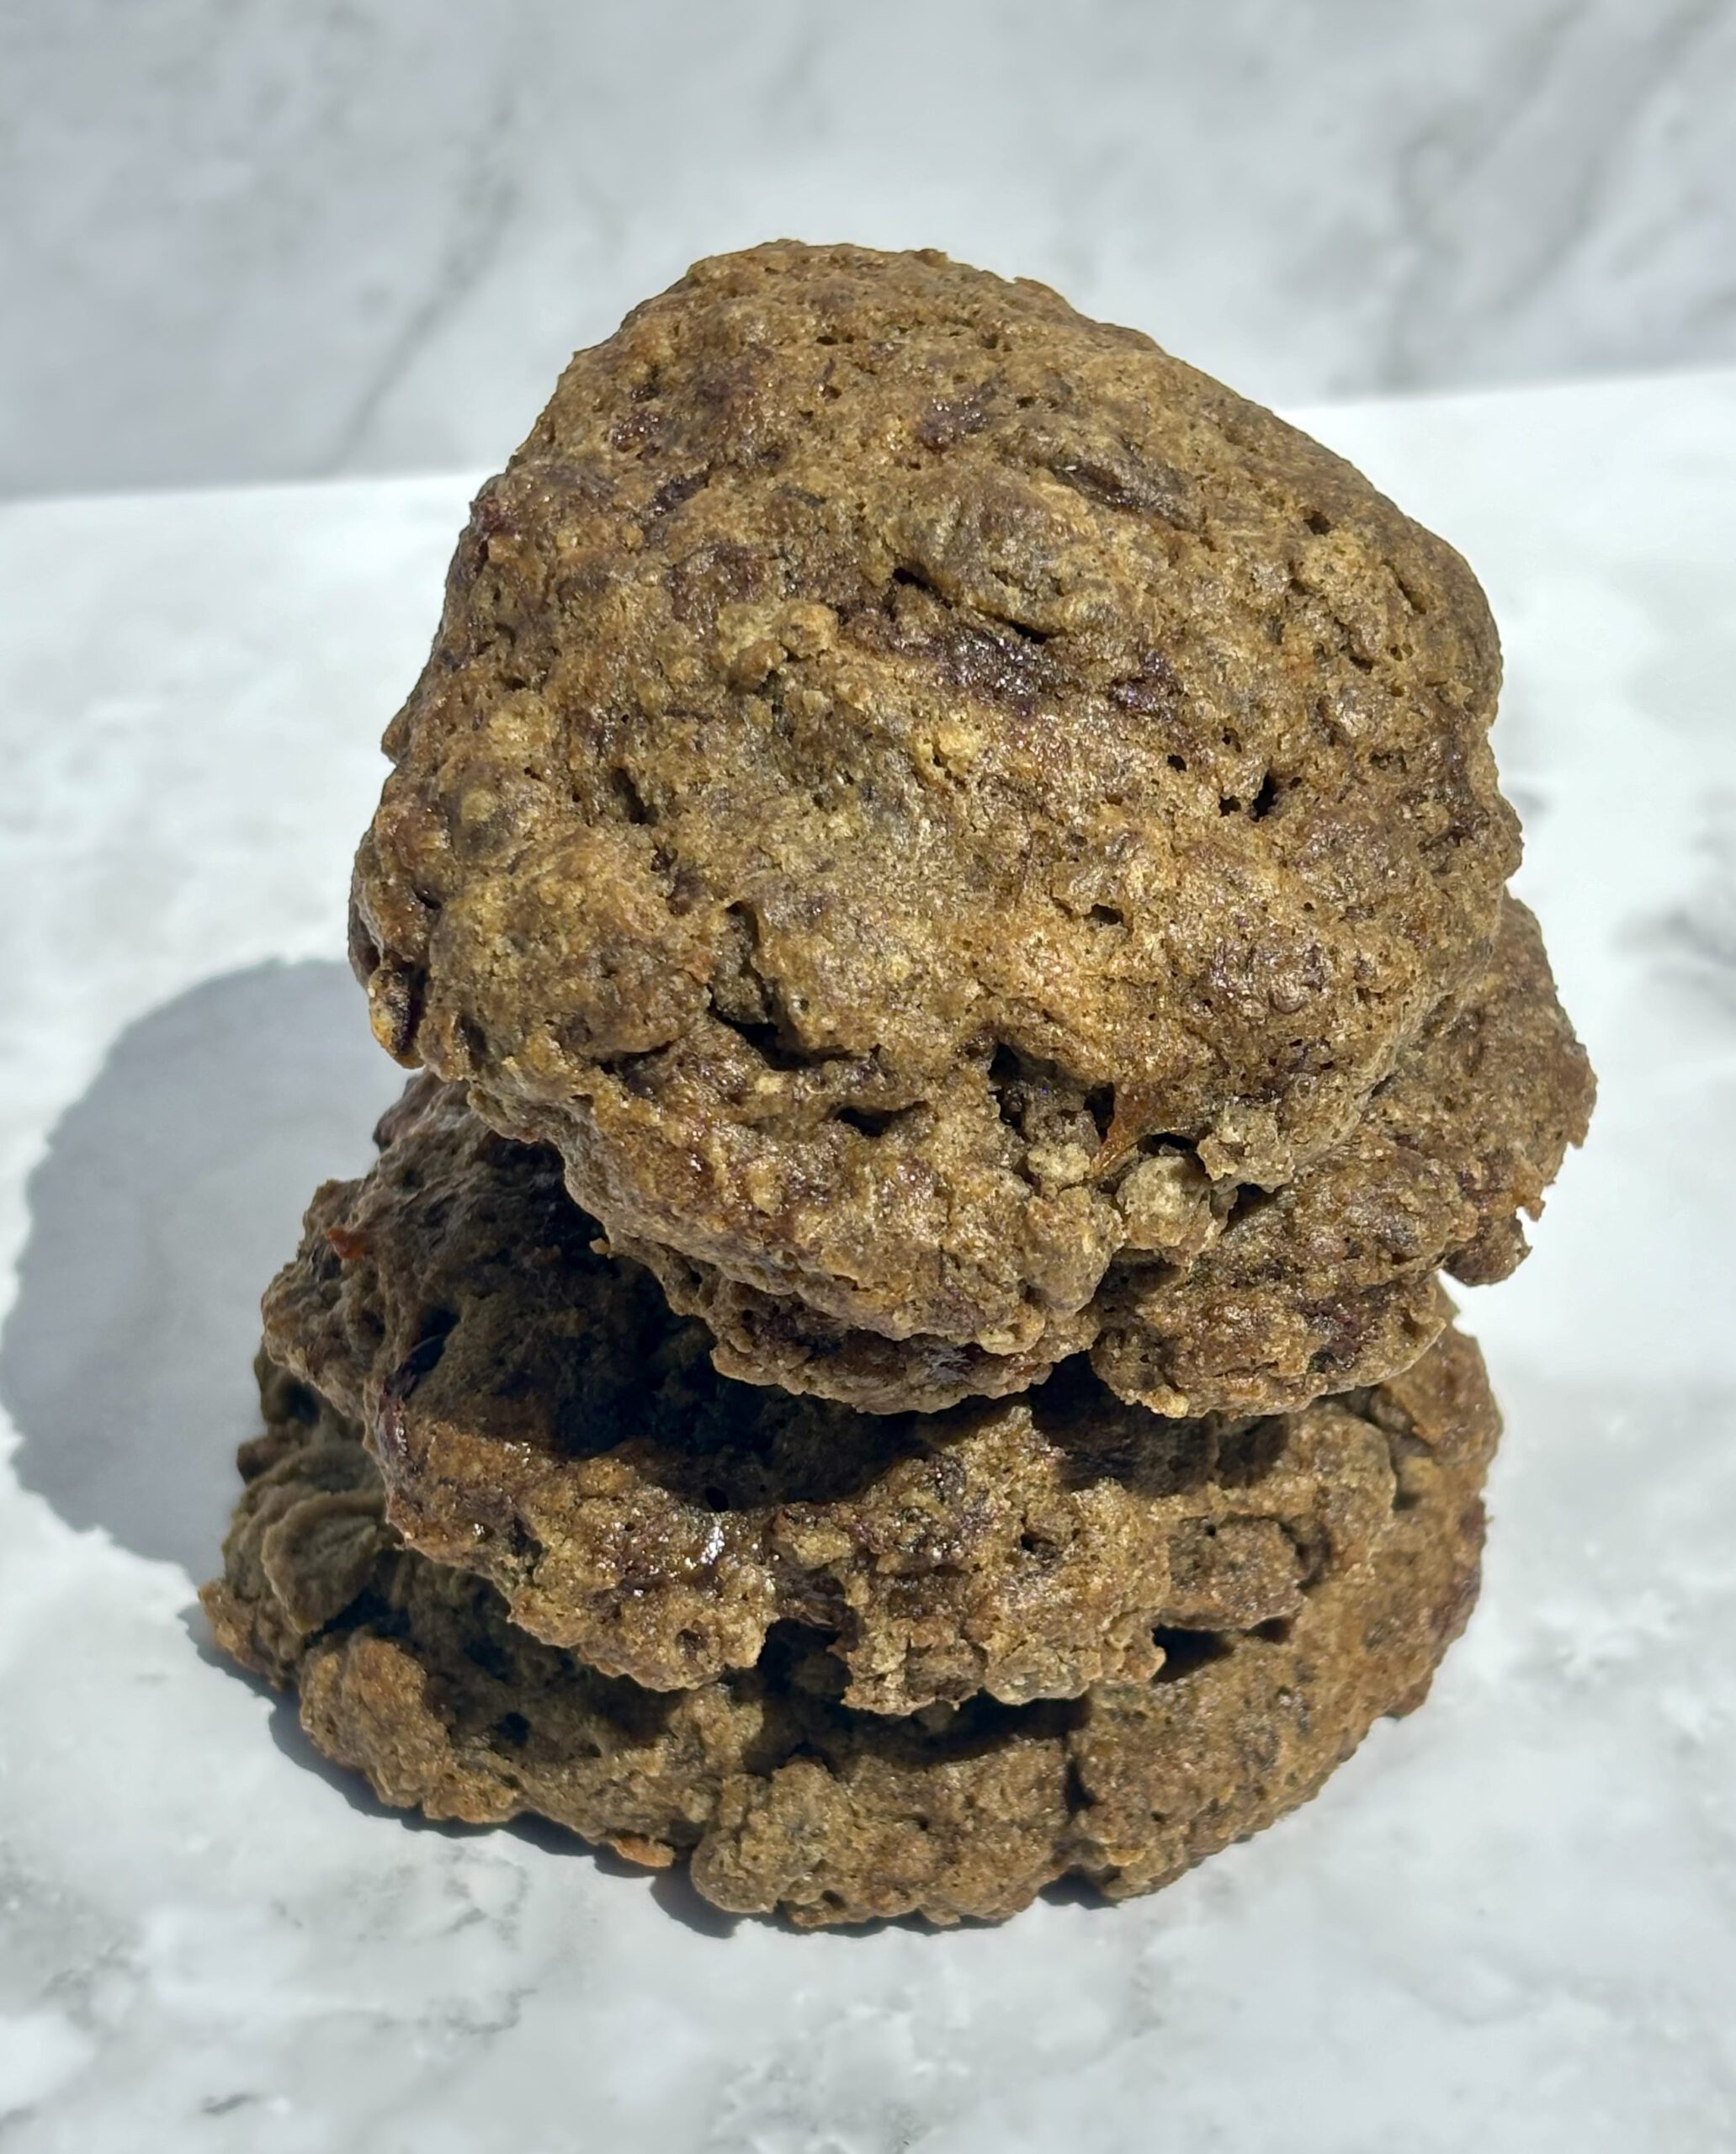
(295,240)
(1510,1922)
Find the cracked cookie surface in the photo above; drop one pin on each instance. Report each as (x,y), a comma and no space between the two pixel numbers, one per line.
(1249,1303)
(899,760)
(781,1796)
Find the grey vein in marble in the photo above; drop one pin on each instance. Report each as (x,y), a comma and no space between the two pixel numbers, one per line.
(274,240)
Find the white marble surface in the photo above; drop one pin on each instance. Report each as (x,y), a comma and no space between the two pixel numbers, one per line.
(302,236)
(1506,1925)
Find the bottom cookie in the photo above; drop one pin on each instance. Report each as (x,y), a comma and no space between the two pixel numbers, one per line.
(780,1797)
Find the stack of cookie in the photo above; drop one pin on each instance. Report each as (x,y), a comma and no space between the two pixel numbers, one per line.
(946,877)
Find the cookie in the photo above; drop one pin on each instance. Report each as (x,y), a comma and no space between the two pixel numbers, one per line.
(899,762)
(1241,1302)
(779,1795)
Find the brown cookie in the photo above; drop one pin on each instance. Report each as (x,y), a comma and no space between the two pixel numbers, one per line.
(891,739)
(782,1798)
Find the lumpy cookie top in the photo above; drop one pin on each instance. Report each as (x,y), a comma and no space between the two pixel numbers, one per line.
(895,749)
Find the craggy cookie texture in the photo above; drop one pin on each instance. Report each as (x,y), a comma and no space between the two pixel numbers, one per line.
(541,1418)
(1251,1304)
(900,761)
(782,1796)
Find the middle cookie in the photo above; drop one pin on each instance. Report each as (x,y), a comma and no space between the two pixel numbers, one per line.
(542,1418)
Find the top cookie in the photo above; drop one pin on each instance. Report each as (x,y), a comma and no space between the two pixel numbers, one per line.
(877,698)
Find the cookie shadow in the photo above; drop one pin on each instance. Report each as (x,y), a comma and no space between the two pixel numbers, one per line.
(169,1194)
(672,1889)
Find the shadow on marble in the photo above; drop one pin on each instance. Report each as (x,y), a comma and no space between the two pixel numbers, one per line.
(672,1889)
(169,1194)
